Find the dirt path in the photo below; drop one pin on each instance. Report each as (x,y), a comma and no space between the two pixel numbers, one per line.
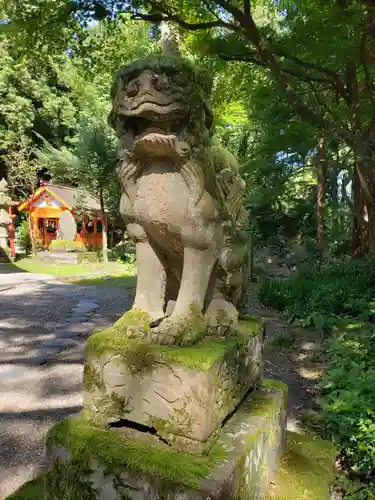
(291,354)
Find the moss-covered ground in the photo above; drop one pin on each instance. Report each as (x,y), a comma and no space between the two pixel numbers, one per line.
(114,269)
(305,470)
(201,356)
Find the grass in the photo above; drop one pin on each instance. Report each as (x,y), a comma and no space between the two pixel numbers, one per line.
(32,490)
(31,265)
(305,470)
(120,281)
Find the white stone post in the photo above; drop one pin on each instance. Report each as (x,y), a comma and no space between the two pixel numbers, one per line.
(5,220)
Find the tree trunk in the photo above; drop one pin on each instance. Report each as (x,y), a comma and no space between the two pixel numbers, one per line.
(360,236)
(334,173)
(104,227)
(371,227)
(321,193)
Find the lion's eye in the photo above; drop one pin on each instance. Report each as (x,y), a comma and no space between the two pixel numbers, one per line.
(160,82)
(180,78)
(132,88)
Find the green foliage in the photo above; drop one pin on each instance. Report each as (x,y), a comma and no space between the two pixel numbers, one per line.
(319,295)
(348,401)
(23,236)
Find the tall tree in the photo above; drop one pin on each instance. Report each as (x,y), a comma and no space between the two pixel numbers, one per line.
(326,77)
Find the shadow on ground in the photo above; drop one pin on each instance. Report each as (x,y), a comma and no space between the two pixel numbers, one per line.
(38,388)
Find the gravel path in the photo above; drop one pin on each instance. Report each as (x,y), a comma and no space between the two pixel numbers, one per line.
(43,326)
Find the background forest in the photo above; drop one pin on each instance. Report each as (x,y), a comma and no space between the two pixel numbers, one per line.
(293,99)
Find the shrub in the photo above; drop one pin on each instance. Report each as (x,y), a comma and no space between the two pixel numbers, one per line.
(23,236)
(318,296)
(124,253)
(348,401)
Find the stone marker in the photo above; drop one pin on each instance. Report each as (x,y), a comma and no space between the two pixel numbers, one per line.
(67,227)
(174,402)
(5,220)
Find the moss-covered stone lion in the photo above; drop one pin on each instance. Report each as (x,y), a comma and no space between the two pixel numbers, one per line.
(182,199)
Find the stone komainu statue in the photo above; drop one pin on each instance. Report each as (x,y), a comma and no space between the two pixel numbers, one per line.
(182,199)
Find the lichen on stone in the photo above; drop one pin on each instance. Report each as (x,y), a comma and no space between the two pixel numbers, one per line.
(250,325)
(91,377)
(273,384)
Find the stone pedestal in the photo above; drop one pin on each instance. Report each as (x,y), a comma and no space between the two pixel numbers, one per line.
(168,422)
(90,462)
(181,393)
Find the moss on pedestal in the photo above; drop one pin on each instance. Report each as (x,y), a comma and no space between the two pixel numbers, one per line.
(142,355)
(83,440)
(305,470)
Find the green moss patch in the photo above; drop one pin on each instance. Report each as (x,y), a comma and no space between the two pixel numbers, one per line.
(32,490)
(271,383)
(115,453)
(250,325)
(142,355)
(305,470)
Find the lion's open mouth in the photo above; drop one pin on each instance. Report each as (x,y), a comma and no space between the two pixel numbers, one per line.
(143,126)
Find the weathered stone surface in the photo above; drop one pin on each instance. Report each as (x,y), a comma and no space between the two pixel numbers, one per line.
(182,195)
(113,467)
(183,392)
(67,227)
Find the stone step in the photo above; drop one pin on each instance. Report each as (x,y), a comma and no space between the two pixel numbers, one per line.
(111,465)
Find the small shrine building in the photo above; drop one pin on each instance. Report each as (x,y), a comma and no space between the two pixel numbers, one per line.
(50,201)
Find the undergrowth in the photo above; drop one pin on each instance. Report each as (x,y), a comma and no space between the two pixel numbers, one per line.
(322,296)
(340,300)
(348,408)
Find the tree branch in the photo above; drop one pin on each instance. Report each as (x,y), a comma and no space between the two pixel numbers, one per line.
(159,17)
(267,55)
(321,102)
(251,58)
(247,8)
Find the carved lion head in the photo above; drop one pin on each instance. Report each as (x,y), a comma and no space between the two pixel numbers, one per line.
(162,97)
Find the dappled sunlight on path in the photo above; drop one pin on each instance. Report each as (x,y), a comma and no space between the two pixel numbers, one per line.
(43,326)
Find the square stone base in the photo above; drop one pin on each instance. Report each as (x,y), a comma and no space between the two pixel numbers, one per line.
(92,463)
(184,393)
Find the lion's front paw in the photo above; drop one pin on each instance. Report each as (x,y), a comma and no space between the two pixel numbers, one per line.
(179,330)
